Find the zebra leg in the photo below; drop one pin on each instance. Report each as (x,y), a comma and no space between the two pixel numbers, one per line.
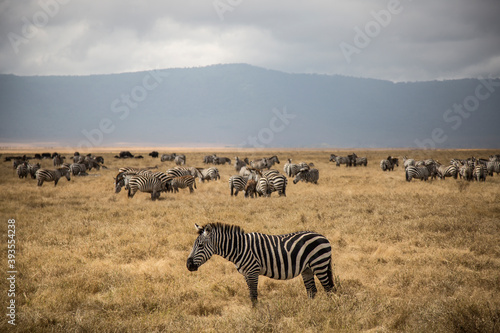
(308,277)
(252,280)
(326,279)
(55,181)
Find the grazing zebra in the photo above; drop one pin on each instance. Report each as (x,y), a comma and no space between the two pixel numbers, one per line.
(168,157)
(78,169)
(237,183)
(280,257)
(251,173)
(183,171)
(22,170)
(221,160)
(144,183)
(307,175)
(183,182)
(340,160)
(32,168)
(251,188)
(493,166)
(277,183)
(209,174)
(444,171)
(421,173)
(291,169)
(265,163)
(180,160)
(43,175)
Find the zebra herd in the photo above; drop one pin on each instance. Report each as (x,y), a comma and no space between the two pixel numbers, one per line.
(349,160)
(254,181)
(79,167)
(155,182)
(469,169)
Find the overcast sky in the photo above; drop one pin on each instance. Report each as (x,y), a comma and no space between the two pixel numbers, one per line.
(398,40)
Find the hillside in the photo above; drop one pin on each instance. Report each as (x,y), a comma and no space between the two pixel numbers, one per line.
(240,105)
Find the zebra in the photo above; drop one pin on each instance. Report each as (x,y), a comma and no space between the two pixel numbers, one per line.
(388,164)
(180,160)
(238,164)
(183,182)
(307,175)
(183,171)
(465,172)
(78,169)
(340,160)
(221,160)
(209,159)
(32,168)
(264,187)
(291,169)
(22,170)
(421,173)
(265,163)
(237,183)
(492,166)
(444,171)
(168,157)
(280,257)
(57,160)
(408,161)
(479,172)
(361,161)
(278,183)
(209,174)
(251,173)
(51,175)
(144,183)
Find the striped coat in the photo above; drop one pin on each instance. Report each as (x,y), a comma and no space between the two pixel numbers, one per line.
(280,257)
(45,175)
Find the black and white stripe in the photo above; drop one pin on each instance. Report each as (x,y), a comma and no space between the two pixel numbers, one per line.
(32,169)
(389,163)
(78,169)
(493,166)
(444,171)
(145,183)
(264,163)
(209,174)
(183,182)
(280,257)
(307,175)
(340,160)
(45,175)
(421,173)
(22,170)
(237,183)
(479,172)
(278,183)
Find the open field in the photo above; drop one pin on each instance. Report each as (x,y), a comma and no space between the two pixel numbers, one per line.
(410,257)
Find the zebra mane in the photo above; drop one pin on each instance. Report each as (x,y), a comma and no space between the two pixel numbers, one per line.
(223,227)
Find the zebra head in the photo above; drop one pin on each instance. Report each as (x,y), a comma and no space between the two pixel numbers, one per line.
(203,248)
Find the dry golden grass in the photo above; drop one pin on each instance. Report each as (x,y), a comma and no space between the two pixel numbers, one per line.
(409,257)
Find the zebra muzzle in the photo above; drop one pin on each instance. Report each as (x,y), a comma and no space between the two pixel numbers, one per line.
(191,265)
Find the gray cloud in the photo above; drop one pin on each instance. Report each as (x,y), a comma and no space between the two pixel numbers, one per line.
(424,40)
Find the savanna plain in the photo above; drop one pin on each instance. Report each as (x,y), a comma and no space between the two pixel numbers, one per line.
(408,256)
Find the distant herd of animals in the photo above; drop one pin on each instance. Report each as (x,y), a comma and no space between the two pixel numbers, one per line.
(254,178)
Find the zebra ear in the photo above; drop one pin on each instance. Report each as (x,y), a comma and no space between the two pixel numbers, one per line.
(198,228)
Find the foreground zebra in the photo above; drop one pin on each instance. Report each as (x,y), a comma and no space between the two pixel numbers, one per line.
(280,257)
(45,175)
(144,183)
